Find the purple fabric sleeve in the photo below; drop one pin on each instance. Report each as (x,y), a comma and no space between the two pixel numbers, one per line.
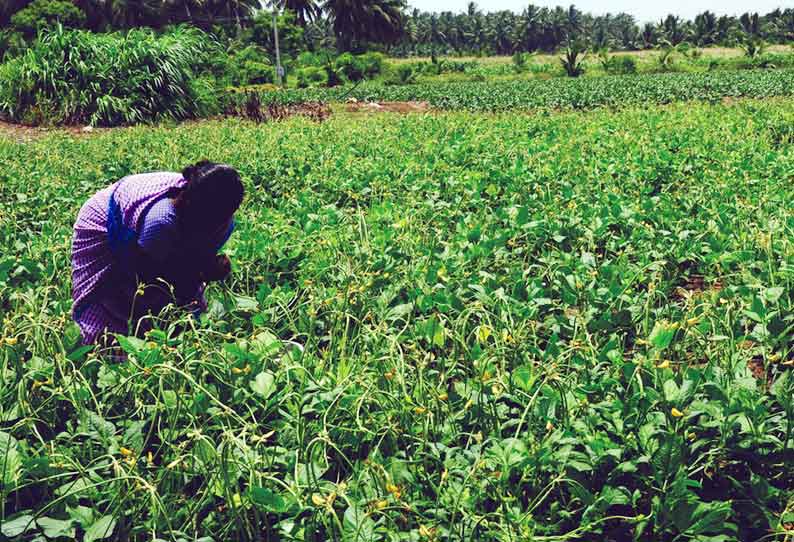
(159,235)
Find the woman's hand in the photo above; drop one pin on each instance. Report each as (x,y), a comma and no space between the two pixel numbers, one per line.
(219,268)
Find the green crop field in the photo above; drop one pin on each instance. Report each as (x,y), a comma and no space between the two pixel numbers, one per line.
(561,93)
(573,326)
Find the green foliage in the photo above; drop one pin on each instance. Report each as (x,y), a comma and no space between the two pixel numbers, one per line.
(556,93)
(11,44)
(311,76)
(356,68)
(290,34)
(350,67)
(359,22)
(519,60)
(250,66)
(104,79)
(47,14)
(573,59)
(401,74)
(753,47)
(618,64)
(371,64)
(573,359)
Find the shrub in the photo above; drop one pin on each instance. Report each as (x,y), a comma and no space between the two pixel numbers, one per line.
(520,61)
(312,76)
(371,64)
(573,59)
(402,74)
(74,76)
(307,58)
(290,34)
(11,44)
(250,66)
(46,14)
(620,65)
(350,67)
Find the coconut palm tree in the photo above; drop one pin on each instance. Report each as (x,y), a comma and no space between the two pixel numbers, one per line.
(306,11)
(705,28)
(359,21)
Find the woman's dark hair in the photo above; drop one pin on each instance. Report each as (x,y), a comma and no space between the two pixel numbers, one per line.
(213,193)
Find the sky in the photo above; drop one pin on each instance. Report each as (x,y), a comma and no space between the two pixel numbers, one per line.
(643,11)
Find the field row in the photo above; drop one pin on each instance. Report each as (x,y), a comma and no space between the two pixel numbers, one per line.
(581,93)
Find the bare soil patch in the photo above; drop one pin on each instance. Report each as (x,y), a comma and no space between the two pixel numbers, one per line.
(387,107)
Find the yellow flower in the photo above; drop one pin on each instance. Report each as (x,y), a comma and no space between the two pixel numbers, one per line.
(420,410)
(126,452)
(380,505)
(676,413)
(693,322)
(394,490)
(388,375)
(11,341)
(549,426)
(443,397)
(426,532)
(318,499)
(664,365)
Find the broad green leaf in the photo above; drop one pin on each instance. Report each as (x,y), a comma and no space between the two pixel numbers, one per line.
(101,529)
(524,377)
(358,525)
(671,391)
(661,335)
(246,304)
(264,384)
(268,500)
(10,461)
(399,312)
(265,344)
(772,295)
(56,528)
(82,515)
(12,528)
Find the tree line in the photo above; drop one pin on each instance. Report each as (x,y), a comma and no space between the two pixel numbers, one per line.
(357,25)
(544,29)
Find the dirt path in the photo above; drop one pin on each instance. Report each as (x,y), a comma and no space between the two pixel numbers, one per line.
(386,107)
(26,134)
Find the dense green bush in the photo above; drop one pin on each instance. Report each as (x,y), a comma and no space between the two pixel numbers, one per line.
(46,14)
(309,58)
(312,76)
(350,67)
(401,74)
(74,76)
(358,67)
(620,65)
(250,66)
(290,35)
(11,43)
(371,64)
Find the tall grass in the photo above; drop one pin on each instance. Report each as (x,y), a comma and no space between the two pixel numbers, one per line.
(105,79)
